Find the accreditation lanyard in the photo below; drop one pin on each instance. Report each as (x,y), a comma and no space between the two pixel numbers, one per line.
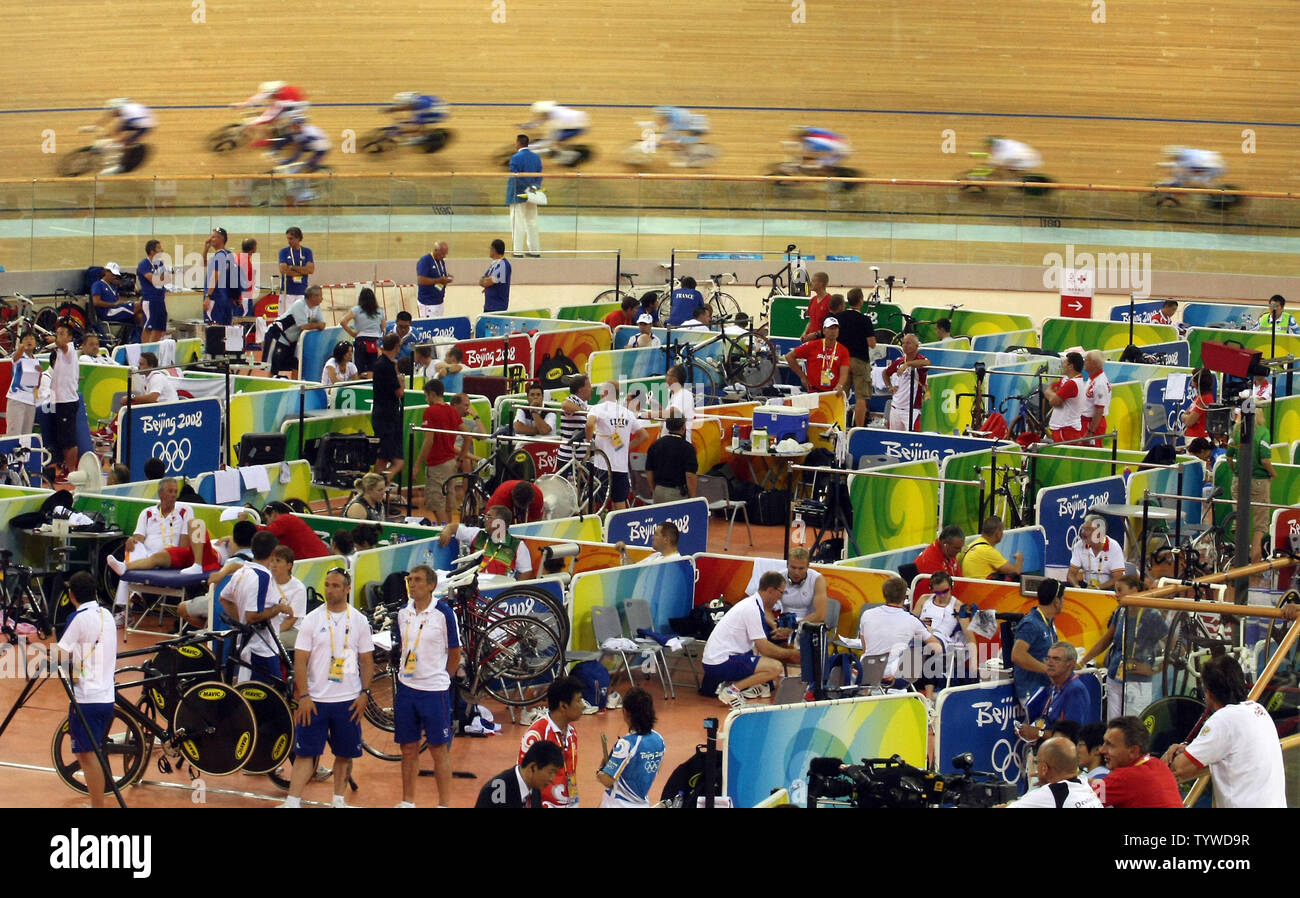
(337,661)
(408,665)
(1121,668)
(86,659)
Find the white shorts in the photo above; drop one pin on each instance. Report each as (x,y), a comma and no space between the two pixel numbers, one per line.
(609,801)
(898,418)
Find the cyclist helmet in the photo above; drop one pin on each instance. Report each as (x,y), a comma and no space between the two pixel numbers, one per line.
(116,103)
(270,87)
(404,97)
(543,107)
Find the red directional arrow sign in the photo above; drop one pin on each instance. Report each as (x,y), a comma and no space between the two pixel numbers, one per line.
(1076,306)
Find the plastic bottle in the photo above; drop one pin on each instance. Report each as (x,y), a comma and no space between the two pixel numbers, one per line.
(797,530)
(735,438)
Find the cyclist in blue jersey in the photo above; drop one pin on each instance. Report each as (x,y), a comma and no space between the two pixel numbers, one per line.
(820,148)
(419,112)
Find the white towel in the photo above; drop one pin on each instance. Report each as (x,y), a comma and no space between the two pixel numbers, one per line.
(285,476)
(618,644)
(166,353)
(255,478)
(761,567)
(133,355)
(226,486)
(878,378)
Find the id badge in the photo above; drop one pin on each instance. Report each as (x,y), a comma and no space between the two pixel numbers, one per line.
(336,669)
(571,787)
(615,440)
(409,666)
(827,375)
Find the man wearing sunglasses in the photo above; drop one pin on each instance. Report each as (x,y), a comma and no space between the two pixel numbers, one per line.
(1064,698)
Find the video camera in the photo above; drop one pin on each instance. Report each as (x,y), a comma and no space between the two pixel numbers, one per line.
(893,783)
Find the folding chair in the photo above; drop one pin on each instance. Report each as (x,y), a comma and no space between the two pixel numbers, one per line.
(1156,418)
(641,492)
(639,617)
(714,491)
(606,625)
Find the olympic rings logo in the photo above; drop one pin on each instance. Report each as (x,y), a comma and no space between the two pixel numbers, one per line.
(173,453)
(1006,762)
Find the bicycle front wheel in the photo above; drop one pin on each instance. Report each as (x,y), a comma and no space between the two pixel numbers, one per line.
(214,728)
(724,304)
(591,480)
(531,601)
(124,746)
(751,361)
(611,296)
(516,660)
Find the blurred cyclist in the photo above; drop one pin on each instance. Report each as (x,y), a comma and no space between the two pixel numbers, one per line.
(420,110)
(559,124)
(306,147)
(279,99)
(1192,168)
(1008,158)
(821,149)
(125,122)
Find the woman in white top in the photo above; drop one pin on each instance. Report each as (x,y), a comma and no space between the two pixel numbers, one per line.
(365,325)
(21,413)
(338,368)
(938,610)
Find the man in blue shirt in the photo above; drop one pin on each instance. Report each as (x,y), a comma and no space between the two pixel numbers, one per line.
(402,327)
(432,279)
(496,280)
(1035,635)
(150,275)
(523,214)
(296,263)
(224,285)
(103,294)
(686,301)
(1064,698)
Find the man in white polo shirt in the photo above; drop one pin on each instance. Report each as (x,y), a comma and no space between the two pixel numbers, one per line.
(1067,399)
(66,393)
(1096,398)
(428,649)
(740,652)
(332,661)
(158,528)
(1096,560)
(612,425)
(1238,743)
(248,598)
(1058,771)
(890,629)
(90,645)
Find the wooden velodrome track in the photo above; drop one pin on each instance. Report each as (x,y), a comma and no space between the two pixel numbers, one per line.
(1099,100)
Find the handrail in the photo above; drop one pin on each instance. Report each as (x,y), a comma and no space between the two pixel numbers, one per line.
(655,176)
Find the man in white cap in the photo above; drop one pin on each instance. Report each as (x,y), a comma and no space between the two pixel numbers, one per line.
(827,360)
(103,295)
(645,339)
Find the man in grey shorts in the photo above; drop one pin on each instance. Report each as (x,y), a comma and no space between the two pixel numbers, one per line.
(858,335)
(441,456)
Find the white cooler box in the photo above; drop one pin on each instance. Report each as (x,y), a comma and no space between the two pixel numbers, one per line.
(782,421)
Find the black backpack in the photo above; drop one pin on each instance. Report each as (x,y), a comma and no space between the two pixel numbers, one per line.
(686,782)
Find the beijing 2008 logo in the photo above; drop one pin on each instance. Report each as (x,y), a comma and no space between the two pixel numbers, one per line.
(173,453)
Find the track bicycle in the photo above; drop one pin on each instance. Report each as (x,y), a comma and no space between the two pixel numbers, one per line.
(794,167)
(792,280)
(470,492)
(569,155)
(392,136)
(1213,202)
(882,294)
(22,602)
(18,316)
(84,160)
(647,296)
(1011,498)
(205,723)
(1030,183)
(746,363)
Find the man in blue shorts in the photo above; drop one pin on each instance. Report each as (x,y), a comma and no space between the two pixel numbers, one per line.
(151,275)
(223,286)
(89,650)
(333,658)
(427,646)
(740,653)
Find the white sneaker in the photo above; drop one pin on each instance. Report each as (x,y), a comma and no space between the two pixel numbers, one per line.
(762,690)
(322,774)
(588,707)
(404,804)
(532,715)
(339,802)
(730,695)
(119,618)
(118,567)
(613,700)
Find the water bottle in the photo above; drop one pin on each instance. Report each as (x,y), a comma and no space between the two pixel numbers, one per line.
(797,530)
(735,438)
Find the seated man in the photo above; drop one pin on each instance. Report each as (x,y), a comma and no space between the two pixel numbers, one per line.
(530,421)
(103,296)
(805,589)
(663,540)
(195,611)
(1092,762)
(941,555)
(1058,771)
(701,321)
(503,554)
(176,557)
(1064,698)
(1096,560)
(158,386)
(741,653)
(524,499)
(159,527)
(890,629)
(981,560)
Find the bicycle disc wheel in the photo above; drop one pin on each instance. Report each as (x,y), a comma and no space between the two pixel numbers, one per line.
(517,659)
(214,728)
(124,746)
(225,139)
(182,665)
(436,140)
(274,727)
(531,601)
(378,141)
